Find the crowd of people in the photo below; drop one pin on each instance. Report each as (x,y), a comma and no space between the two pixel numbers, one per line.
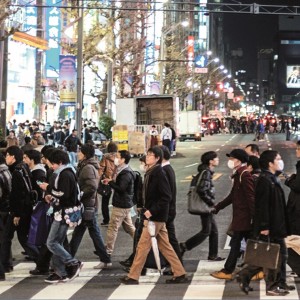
(61,180)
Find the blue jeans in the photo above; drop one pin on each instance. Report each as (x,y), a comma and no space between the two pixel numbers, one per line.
(95,234)
(73,158)
(61,257)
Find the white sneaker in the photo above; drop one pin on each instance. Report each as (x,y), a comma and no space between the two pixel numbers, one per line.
(103,265)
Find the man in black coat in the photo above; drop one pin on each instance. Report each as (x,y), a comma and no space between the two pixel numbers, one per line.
(20,206)
(157,195)
(72,142)
(270,218)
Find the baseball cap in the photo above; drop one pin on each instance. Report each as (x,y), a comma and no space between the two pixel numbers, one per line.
(239,154)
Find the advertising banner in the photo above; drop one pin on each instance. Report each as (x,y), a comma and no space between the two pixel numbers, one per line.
(67,79)
(293,76)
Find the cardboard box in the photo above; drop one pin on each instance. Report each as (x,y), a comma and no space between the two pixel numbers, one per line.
(137,142)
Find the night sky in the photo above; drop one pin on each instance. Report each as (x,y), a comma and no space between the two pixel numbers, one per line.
(251,32)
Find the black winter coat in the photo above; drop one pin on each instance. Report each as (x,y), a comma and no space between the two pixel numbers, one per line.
(19,201)
(293,204)
(205,188)
(157,193)
(71,143)
(270,206)
(172,181)
(123,189)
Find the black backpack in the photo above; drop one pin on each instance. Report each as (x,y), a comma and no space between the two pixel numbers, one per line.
(138,188)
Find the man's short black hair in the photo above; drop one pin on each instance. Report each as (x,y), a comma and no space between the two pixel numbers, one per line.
(208,156)
(59,157)
(253,147)
(267,157)
(34,155)
(126,155)
(16,152)
(158,153)
(2,159)
(254,162)
(45,148)
(27,139)
(88,150)
(48,152)
(166,152)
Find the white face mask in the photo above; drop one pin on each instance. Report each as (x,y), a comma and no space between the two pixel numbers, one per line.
(116,161)
(281,165)
(230,164)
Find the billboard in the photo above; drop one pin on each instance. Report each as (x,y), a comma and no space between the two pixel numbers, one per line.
(293,76)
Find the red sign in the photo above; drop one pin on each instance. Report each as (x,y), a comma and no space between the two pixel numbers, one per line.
(190,54)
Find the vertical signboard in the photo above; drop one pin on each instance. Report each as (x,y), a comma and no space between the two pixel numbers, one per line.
(30,24)
(53,28)
(67,79)
(190,54)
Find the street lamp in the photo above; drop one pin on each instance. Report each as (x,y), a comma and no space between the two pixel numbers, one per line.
(162,52)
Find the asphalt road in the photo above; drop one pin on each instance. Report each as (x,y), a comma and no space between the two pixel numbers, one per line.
(105,285)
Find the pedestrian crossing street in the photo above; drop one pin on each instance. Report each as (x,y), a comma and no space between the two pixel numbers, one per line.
(95,284)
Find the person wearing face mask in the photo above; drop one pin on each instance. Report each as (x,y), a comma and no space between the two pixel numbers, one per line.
(241,197)
(122,201)
(270,218)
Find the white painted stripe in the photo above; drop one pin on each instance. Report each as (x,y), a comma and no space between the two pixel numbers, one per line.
(218,150)
(223,145)
(20,272)
(64,291)
(141,291)
(204,286)
(191,165)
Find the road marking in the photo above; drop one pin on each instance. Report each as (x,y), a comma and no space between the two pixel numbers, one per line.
(204,286)
(67,290)
(191,165)
(217,176)
(217,150)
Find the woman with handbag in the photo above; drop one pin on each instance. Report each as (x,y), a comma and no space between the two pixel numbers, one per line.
(206,191)
(106,171)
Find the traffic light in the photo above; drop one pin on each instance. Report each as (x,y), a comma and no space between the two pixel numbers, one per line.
(220,86)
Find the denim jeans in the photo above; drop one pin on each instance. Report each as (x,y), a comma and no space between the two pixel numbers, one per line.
(234,253)
(95,234)
(61,257)
(73,158)
(210,230)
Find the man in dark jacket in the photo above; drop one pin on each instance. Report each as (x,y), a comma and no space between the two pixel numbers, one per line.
(88,179)
(271,217)
(72,142)
(122,201)
(63,197)
(206,190)
(242,199)
(20,205)
(157,195)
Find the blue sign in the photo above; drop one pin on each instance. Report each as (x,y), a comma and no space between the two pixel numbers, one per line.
(200,61)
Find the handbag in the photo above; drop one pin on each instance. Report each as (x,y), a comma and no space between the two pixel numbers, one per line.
(196,206)
(262,254)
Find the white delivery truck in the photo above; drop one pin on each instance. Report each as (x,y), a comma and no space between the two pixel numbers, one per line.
(190,125)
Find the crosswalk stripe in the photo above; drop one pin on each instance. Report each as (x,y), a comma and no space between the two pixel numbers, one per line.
(66,291)
(204,286)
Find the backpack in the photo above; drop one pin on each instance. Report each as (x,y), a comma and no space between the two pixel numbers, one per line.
(5,182)
(137,188)
(31,198)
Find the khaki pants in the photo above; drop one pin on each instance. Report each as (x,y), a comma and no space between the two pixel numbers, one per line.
(119,216)
(164,246)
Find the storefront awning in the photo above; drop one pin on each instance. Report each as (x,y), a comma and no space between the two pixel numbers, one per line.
(31,40)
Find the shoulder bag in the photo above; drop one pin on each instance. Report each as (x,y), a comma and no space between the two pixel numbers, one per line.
(196,206)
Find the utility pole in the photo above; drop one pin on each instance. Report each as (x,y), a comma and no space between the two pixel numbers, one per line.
(3,81)
(78,115)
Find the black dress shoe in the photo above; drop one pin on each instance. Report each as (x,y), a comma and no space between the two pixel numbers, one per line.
(168,272)
(218,258)
(129,281)
(245,288)
(37,272)
(8,269)
(126,263)
(178,279)
(143,273)
(2,277)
